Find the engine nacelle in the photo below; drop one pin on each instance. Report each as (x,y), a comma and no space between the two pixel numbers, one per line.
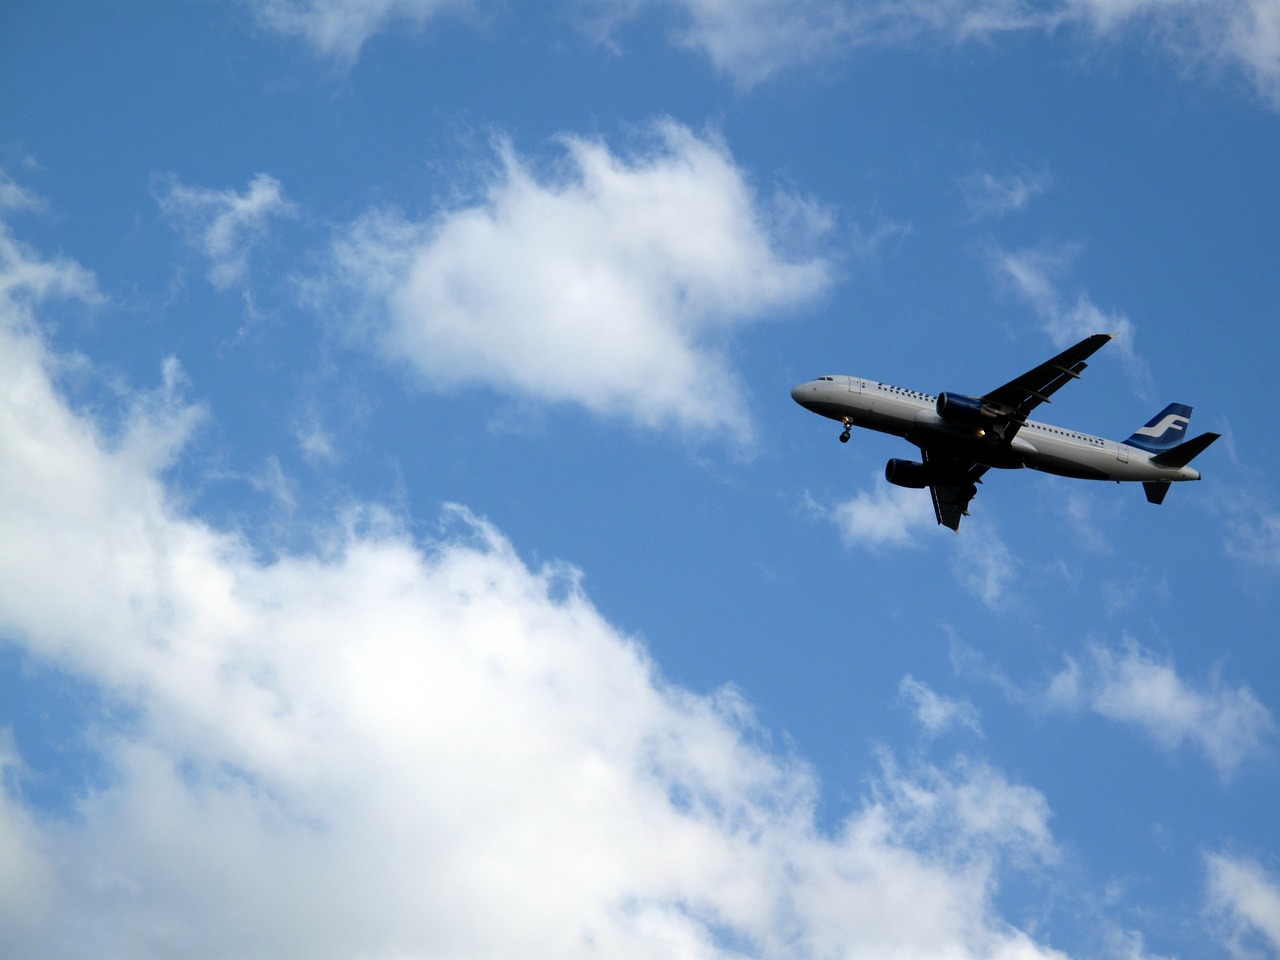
(963,411)
(907,473)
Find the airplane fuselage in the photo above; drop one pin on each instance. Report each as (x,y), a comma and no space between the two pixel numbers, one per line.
(913,416)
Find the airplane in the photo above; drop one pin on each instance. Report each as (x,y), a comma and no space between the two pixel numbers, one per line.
(961,437)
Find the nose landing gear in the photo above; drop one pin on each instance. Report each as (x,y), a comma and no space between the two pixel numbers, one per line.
(848,425)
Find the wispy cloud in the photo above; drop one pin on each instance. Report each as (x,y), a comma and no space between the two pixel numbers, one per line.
(1132,685)
(222,225)
(937,713)
(987,567)
(315,442)
(755,40)
(1035,275)
(889,517)
(1082,511)
(612,285)
(339,29)
(752,42)
(13,196)
(988,195)
(1253,534)
(1247,899)
(26,278)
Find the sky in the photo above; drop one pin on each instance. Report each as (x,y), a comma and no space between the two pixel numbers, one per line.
(409,547)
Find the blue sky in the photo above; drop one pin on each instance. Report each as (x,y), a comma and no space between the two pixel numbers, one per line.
(408,546)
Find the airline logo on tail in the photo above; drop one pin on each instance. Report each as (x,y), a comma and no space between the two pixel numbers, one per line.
(1166,429)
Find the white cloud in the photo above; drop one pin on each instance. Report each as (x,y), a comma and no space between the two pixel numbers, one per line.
(613,286)
(1134,686)
(15,197)
(1248,899)
(223,225)
(754,40)
(26,279)
(891,517)
(1244,34)
(971,810)
(340,28)
(887,516)
(389,748)
(27,882)
(935,712)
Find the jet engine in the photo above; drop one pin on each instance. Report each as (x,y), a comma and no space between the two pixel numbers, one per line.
(907,473)
(963,411)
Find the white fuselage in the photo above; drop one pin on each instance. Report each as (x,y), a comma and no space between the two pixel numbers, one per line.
(913,416)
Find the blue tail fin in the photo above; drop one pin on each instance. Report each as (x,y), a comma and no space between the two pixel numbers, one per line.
(1165,430)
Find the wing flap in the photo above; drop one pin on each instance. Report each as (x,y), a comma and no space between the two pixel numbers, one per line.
(956,484)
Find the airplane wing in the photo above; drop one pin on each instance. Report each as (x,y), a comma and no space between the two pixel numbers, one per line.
(1017,398)
(957,484)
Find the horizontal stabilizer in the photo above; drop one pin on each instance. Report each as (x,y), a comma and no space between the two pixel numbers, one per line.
(1156,489)
(1184,453)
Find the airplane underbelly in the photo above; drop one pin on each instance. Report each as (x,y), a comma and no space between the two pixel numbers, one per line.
(931,433)
(1068,468)
(1070,460)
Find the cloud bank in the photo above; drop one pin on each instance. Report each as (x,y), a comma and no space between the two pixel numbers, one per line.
(613,285)
(388,748)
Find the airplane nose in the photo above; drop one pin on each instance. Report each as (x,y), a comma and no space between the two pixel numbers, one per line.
(806,394)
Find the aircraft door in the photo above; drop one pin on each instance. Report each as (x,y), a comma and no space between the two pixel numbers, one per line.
(1122,452)
(855,385)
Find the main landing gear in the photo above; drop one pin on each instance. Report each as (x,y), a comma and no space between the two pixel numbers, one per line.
(848,425)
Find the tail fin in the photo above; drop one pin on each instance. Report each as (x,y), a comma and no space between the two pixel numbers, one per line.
(1164,431)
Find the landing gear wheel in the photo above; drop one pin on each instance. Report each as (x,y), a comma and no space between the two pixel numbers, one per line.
(848,425)
(844,437)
